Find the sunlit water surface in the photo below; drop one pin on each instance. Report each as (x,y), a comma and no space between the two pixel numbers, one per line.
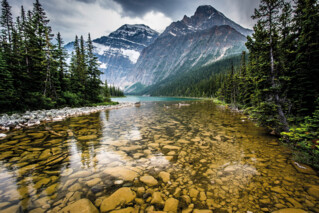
(216,159)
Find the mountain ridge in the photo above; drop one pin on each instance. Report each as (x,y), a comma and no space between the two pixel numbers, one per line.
(199,40)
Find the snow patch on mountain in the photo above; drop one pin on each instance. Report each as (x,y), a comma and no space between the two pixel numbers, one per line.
(103,66)
(100,49)
(132,54)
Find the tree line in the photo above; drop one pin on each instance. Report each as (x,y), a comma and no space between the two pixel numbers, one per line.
(33,69)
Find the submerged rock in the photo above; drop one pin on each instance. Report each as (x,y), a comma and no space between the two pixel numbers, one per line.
(80,206)
(303,168)
(193,193)
(149,180)
(157,199)
(87,137)
(171,205)
(165,176)
(80,174)
(119,198)
(124,173)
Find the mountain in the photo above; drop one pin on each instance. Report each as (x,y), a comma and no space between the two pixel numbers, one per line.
(205,17)
(118,52)
(196,41)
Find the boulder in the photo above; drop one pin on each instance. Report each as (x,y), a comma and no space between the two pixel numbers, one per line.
(123,173)
(157,199)
(80,206)
(93,182)
(149,180)
(119,198)
(165,176)
(303,168)
(193,193)
(171,205)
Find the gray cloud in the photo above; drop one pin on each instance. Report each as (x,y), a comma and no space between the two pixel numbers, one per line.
(87,1)
(174,9)
(100,17)
(239,11)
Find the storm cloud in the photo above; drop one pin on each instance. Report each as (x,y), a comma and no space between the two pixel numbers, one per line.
(176,9)
(100,17)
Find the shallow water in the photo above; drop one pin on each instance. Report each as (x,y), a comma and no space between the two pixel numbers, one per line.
(216,159)
(134,99)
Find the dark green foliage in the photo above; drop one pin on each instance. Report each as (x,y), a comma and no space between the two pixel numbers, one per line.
(202,82)
(116,92)
(305,137)
(33,69)
(106,92)
(6,84)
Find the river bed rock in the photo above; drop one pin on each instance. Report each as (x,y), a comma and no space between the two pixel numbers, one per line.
(149,180)
(80,206)
(303,168)
(119,198)
(125,173)
(165,176)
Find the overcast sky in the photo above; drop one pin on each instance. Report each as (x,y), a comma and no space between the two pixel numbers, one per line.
(100,17)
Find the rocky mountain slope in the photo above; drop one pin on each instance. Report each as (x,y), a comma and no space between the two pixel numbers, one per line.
(119,52)
(195,41)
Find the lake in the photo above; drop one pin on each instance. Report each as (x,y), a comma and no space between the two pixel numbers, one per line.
(161,156)
(135,99)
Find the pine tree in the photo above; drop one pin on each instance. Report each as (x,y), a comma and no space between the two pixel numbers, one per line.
(305,73)
(61,56)
(94,82)
(106,92)
(6,86)
(271,108)
(6,22)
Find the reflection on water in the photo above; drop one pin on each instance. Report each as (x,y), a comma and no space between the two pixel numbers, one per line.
(197,157)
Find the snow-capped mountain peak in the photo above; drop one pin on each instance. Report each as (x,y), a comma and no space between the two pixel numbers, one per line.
(119,51)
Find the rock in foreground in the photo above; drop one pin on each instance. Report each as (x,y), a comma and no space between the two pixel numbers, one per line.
(119,198)
(80,206)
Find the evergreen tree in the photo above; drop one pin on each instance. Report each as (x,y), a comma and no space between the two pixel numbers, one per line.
(61,56)
(94,82)
(271,108)
(305,68)
(6,85)
(106,92)
(6,22)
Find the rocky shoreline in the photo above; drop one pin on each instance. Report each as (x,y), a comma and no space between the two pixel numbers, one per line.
(34,118)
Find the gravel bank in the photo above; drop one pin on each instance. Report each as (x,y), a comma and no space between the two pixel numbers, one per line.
(33,118)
